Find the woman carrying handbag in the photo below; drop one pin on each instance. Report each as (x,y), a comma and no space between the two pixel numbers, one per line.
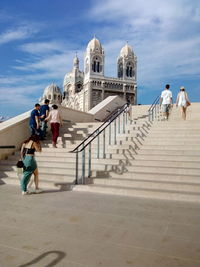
(28,149)
(183,101)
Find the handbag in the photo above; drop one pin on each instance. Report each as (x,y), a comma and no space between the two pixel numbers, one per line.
(188,103)
(20,164)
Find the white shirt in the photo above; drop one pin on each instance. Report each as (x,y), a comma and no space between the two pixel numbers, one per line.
(182,99)
(54,116)
(166,97)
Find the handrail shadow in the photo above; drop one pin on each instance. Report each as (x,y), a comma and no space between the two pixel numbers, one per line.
(60,255)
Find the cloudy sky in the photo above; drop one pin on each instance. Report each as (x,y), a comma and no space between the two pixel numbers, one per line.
(38,40)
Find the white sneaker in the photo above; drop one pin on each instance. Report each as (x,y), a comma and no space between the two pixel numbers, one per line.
(38,191)
(24,193)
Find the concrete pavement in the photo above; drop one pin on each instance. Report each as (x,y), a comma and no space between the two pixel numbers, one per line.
(77,229)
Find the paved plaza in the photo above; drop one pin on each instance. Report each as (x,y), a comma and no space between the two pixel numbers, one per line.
(75,229)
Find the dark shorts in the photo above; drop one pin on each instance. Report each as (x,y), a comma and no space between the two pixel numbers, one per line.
(166,108)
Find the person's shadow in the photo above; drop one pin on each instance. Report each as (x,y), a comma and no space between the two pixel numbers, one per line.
(59,256)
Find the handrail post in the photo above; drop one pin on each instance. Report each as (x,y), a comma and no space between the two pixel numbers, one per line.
(126,116)
(109,134)
(98,144)
(83,166)
(123,122)
(115,133)
(89,161)
(76,181)
(104,144)
(118,124)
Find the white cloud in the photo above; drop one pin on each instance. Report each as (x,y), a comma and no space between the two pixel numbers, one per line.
(44,47)
(20,33)
(164,34)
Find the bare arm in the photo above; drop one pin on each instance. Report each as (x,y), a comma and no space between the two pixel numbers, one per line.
(49,116)
(22,149)
(37,146)
(37,122)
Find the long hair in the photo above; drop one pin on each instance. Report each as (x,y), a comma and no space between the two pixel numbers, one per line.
(34,138)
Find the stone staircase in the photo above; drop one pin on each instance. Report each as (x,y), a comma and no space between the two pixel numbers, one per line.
(57,166)
(150,161)
(165,165)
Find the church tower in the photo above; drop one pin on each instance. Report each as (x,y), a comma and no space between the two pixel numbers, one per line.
(73,84)
(94,59)
(127,64)
(127,72)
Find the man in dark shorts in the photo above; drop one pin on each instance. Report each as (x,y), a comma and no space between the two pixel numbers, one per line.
(166,101)
(34,122)
(44,112)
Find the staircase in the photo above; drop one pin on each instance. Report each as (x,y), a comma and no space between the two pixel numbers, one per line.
(57,165)
(160,161)
(165,165)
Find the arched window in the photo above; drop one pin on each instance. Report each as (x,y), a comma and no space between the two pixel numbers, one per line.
(120,70)
(49,97)
(129,70)
(96,66)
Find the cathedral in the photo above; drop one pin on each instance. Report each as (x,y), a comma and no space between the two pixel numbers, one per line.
(82,90)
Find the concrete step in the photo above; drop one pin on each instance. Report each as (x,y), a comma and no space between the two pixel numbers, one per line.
(171,147)
(44,176)
(64,162)
(143,193)
(174,130)
(160,177)
(165,163)
(44,185)
(65,167)
(167,170)
(144,184)
(168,152)
(173,136)
(163,158)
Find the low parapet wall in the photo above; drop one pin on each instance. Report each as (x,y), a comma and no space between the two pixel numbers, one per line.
(15,130)
(106,107)
(75,115)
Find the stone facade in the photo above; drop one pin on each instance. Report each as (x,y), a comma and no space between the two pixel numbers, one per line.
(84,90)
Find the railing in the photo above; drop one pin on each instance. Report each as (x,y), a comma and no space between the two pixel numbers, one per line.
(154,109)
(110,129)
(6,147)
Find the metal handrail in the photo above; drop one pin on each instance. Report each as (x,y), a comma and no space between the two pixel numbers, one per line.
(154,102)
(118,126)
(5,147)
(96,132)
(96,135)
(154,109)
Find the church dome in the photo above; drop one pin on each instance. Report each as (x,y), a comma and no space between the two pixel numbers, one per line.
(52,88)
(126,51)
(94,46)
(53,93)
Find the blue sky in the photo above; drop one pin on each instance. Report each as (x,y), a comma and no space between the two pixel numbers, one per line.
(38,40)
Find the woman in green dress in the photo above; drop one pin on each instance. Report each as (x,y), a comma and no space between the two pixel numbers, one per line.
(28,149)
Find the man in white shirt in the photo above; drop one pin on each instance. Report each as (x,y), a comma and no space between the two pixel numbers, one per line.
(166,101)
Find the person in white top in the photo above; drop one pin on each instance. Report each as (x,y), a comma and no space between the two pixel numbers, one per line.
(166,101)
(183,101)
(55,121)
